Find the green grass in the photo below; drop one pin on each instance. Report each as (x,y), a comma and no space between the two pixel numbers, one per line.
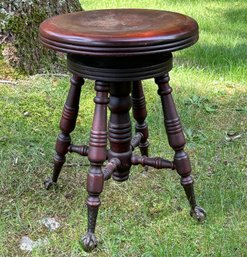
(147,215)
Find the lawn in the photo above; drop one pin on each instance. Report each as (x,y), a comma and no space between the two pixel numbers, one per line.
(148,215)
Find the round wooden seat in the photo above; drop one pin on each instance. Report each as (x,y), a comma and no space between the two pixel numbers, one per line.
(119,32)
(119,44)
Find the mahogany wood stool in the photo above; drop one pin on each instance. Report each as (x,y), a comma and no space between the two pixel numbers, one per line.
(118,48)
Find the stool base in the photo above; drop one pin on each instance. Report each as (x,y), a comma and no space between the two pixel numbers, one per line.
(120,155)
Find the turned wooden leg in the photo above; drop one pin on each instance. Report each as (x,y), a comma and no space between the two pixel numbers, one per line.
(67,125)
(140,114)
(97,156)
(120,129)
(177,142)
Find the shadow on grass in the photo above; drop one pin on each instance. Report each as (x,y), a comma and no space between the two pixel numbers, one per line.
(215,57)
(226,51)
(236,15)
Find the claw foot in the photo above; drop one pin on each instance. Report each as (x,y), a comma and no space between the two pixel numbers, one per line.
(198,213)
(48,183)
(89,242)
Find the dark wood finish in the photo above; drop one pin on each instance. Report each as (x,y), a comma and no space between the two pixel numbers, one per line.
(177,142)
(140,113)
(157,162)
(111,166)
(67,125)
(115,69)
(120,128)
(96,155)
(136,140)
(118,49)
(80,149)
(119,32)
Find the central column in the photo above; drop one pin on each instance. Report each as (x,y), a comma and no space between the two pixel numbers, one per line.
(120,128)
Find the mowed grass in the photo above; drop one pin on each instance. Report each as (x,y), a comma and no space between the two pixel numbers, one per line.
(148,215)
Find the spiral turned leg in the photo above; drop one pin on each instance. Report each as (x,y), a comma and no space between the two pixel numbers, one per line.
(96,156)
(177,142)
(140,113)
(67,125)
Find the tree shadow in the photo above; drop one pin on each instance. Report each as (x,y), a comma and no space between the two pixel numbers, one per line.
(220,56)
(217,57)
(238,14)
